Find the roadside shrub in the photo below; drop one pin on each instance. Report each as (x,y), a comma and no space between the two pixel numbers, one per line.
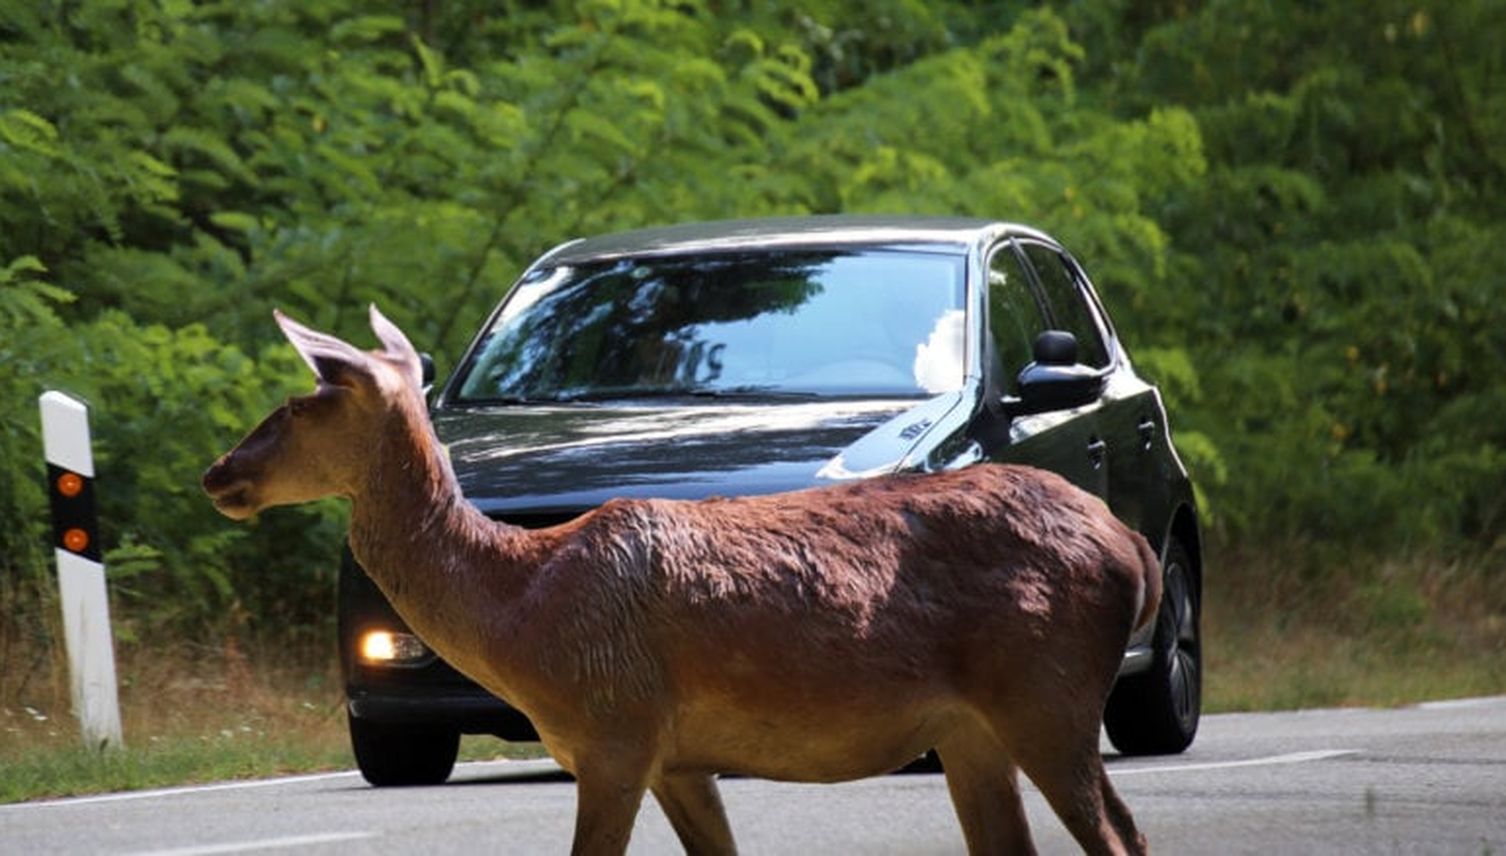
(163,404)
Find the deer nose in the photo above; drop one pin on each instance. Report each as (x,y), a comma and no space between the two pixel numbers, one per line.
(218,477)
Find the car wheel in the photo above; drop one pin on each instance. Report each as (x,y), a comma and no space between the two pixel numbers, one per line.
(395,755)
(1156,712)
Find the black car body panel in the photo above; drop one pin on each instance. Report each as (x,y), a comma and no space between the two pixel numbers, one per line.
(537,463)
(541,459)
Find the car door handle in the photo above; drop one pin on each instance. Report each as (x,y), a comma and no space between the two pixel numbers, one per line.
(1147,430)
(1097,451)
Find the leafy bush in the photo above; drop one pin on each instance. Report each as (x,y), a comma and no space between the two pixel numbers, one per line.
(1336,274)
(162,403)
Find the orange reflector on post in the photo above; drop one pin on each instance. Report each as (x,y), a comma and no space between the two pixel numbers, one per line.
(76,540)
(75,526)
(70,484)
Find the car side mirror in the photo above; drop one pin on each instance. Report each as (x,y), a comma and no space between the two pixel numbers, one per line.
(1055,380)
(426,365)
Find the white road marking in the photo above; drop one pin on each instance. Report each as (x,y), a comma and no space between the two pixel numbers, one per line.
(540,765)
(260,844)
(170,792)
(1458,703)
(1291,758)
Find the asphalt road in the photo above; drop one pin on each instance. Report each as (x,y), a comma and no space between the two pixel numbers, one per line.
(1427,779)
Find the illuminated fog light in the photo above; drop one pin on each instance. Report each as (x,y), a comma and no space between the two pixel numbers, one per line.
(388,648)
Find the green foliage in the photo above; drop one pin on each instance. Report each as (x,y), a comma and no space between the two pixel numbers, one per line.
(1293,211)
(161,401)
(1334,272)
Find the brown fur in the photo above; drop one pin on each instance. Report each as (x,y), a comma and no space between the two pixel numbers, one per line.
(820,635)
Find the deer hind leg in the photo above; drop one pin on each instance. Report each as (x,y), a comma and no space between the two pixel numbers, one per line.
(608,791)
(694,808)
(1123,821)
(1069,771)
(984,785)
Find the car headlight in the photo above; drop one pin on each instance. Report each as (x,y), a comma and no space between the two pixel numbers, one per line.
(388,648)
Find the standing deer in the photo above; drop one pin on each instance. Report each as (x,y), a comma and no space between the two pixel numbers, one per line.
(822,635)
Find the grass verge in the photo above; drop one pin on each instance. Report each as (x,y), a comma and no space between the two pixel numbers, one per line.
(1286,628)
(214,715)
(1294,628)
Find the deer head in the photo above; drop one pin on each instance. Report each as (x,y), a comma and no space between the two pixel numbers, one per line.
(315,445)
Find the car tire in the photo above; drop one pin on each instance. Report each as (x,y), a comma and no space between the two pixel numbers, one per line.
(1156,712)
(395,755)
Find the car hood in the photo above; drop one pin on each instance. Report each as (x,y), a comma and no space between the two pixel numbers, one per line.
(565,458)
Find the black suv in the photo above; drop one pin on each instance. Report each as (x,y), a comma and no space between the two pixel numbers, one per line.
(746,357)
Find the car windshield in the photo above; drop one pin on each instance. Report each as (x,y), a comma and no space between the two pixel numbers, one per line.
(768,323)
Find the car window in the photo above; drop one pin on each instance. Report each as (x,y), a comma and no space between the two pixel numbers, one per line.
(1014,313)
(850,322)
(1069,310)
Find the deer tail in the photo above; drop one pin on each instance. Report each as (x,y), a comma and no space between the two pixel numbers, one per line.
(1150,582)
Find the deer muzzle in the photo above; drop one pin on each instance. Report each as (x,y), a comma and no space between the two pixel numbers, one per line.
(229,491)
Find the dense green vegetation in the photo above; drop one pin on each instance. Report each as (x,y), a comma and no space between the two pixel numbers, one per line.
(1294,210)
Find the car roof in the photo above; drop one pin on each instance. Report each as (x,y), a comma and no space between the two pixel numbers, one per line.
(833,230)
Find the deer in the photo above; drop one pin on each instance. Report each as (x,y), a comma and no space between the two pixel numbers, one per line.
(820,635)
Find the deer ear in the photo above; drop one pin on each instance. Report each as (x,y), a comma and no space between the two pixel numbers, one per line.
(396,345)
(332,360)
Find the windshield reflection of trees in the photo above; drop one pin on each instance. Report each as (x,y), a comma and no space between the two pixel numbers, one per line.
(632,325)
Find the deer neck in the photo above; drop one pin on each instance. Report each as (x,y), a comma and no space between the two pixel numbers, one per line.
(451,573)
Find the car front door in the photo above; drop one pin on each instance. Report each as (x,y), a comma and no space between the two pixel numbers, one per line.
(1131,423)
(1065,441)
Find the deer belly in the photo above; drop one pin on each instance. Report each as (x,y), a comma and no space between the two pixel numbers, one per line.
(806,742)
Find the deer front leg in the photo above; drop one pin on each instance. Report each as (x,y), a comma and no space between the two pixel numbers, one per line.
(608,791)
(694,808)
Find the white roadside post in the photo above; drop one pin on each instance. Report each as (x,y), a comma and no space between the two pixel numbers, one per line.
(81,573)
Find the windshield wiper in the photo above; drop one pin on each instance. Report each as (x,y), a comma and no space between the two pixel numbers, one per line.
(754,391)
(628,393)
(623,392)
(582,395)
